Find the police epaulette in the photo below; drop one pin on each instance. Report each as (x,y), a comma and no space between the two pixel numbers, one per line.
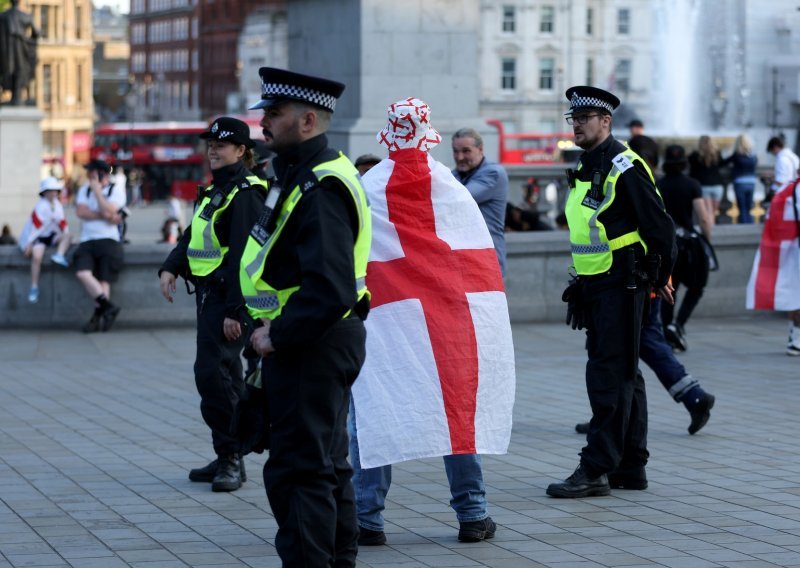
(308,182)
(244,184)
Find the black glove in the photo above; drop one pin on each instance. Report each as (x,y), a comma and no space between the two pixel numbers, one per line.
(572,296)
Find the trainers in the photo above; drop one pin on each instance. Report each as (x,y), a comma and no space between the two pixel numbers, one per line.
(369,537)
(108,317)
(793,350)
(476,531)
(93,324)
(33,295)
(701,412)
(229,474)
(675,337)
(60,260)
(628,478)
(579,484)
(582,427)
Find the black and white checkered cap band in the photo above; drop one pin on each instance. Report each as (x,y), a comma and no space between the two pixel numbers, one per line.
(276,90)
(578,101)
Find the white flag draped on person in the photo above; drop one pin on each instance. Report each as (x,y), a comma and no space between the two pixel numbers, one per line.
(439,376)
(775,278)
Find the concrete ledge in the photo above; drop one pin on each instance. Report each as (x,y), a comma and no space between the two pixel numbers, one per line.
(537,275)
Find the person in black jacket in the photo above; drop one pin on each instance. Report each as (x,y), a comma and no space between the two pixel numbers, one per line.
(304,280)
(623,244)
(208,255)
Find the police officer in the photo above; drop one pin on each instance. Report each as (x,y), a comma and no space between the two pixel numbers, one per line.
(622,243)
(303,278)
(208,255)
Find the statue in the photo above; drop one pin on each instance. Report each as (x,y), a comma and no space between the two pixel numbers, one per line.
(18,38)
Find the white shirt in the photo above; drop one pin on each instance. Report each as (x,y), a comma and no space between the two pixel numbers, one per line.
(95,229)
(786,166)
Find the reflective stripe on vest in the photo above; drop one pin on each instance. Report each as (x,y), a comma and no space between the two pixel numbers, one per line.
(264,301)
(590,246)
(205,254)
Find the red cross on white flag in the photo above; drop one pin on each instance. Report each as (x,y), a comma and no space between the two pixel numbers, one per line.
(775,280)
(439,375)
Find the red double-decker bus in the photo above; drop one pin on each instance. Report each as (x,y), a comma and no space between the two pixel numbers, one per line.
(170,155)
(534,148)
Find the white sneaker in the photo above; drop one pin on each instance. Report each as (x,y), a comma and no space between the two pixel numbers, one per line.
(793,350)
(33,295)
(60,259)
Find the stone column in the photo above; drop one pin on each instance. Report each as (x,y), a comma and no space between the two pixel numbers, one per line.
(386,51)
(20,163)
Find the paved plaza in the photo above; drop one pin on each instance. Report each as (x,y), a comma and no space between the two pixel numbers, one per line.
(97,433)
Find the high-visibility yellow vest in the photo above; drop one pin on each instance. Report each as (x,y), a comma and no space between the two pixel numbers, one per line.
(205,253)
(264,301)
(591,248)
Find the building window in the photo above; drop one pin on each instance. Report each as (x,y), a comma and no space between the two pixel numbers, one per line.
(623,21)
(508,81)
(589,21)
(78,22)
(137,6)
(622,75)
(44,25)
(546,73)
(509,19)
(590,71)
(547,23)
(79,93)
(47,84)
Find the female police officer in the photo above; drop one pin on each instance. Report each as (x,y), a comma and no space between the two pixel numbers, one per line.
(208,254)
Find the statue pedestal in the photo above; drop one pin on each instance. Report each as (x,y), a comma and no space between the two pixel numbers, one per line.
(20,163)
(385,52)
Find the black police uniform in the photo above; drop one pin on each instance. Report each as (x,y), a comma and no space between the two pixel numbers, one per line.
(218,367)
(318,353)
(612,307)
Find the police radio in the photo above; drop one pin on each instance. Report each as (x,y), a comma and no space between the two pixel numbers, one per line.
(216,200)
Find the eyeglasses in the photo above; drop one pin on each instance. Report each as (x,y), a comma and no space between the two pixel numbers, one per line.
(580,119)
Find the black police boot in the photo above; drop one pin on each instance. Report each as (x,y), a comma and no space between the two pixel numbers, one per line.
(579,484)
(206,473)
(582,427)
(701,412)
(476,531)
(369,537)
(628,478)
(229,474)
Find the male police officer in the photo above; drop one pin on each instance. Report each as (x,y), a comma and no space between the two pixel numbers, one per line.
(622,243)
(303,276)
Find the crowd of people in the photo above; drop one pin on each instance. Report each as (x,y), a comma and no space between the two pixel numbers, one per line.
(292,245)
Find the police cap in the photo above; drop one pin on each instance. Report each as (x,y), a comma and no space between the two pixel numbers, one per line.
(227,129)
(590,98)
(280,85)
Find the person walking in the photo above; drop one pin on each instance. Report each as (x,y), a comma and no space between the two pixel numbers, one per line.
(683,198)
(704,165)
(208,255)
(622,243)
(743,162)
(487,182)
(786,167)
(303,276)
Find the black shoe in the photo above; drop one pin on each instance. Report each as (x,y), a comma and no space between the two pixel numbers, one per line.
(368,537)
(229,474)
(93,325)
(580,485)
(108,317)
(476,531)
(628,478)
(206,473)
(675,337)
(701,412)
(582,427)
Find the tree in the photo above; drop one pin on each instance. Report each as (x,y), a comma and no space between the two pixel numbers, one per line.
(5,5)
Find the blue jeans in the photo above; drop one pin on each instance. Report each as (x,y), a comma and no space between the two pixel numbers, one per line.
(744,200)
(657,354)
(371,485)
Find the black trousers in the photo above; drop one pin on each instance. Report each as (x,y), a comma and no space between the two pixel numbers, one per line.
(217,370)
(617,436)
(307,475)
